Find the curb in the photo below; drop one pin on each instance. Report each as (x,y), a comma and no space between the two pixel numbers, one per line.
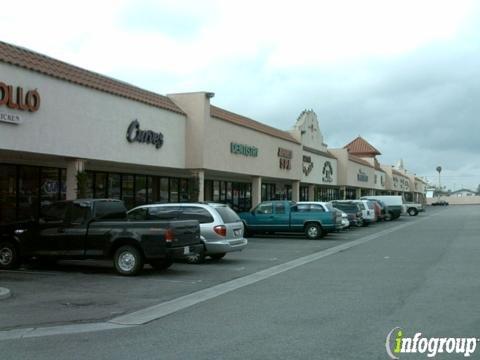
(4,293)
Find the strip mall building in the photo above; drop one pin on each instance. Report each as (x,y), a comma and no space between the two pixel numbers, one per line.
(58,121)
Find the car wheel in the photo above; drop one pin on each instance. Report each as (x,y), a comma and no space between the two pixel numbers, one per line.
(9,255)
(198,258)
(217,256)
(161,264)
(313,231)
(248,232)
(128,260)
(412,212)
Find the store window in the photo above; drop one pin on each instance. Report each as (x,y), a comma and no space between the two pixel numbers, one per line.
(350,193)
(164,190)
(235,194)
(304,193)
(115,186)
(216,191)
(184,196)
(268,192)
(28,192)
(128,195)
(327,194)
(140,190)
(174,185)
(8,193)
(100,188)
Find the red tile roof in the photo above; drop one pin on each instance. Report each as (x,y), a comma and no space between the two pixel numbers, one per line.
(30,60)
(360,146)
(240,120)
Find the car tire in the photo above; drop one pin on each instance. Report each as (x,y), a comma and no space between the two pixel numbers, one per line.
(9,255)
(314,231)
(248,232)
(198,258)
(128,260)
(412,212)
(218,256)
(161,264)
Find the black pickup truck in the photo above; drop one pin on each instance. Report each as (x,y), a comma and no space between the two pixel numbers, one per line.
(98,229)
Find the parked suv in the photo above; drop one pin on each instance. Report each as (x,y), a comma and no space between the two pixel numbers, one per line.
(220,227)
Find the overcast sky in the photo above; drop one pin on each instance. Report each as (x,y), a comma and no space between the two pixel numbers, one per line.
(405,75)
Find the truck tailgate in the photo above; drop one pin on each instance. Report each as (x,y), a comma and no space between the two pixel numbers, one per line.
(185,232)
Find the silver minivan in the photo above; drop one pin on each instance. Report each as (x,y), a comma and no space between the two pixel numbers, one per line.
(221,228)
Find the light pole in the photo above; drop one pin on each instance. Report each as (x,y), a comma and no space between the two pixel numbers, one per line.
(439,169)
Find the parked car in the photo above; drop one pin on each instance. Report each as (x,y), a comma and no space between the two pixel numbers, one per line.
(98,229)
(345,222)
(413,209)
(379,210)
(368,211)
(394,203)
(327,207)
(288,216)
(440,203)
(351,209)
(220,227)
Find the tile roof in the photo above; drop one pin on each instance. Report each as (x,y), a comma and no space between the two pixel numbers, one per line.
(30,60)
(360,146)
(240,120)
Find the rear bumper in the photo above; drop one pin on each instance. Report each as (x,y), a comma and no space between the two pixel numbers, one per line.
(225,246)
(182,252)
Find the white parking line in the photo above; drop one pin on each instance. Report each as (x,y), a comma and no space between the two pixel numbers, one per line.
(169,307)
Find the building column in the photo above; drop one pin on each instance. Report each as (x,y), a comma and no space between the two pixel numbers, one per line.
(358,193)
(256,191)
(296,190)
(73,168)
(200,178)
(311,192)
(344,190)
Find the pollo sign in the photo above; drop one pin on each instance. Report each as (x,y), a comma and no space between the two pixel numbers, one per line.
(15,98)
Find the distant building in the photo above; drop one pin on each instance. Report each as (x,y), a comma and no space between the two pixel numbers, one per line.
(463,192)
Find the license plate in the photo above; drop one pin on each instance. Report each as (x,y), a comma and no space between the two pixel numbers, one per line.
(237,232)
(186,250)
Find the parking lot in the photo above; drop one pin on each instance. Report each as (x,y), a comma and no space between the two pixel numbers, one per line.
(86,291)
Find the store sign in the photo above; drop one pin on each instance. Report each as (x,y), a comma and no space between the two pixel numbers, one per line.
(10,118)
(285,156)
(361,176)
(327,172)
(307,165)
(18,99)
(135,134)
(245,150)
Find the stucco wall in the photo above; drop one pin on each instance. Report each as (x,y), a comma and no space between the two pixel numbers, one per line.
(318,173)
(219,134)
(80,122)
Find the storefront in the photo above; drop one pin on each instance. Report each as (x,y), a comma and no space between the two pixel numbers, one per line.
(239,161)
(67,132)
(58,121)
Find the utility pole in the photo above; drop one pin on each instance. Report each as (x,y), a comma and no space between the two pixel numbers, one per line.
(439,169)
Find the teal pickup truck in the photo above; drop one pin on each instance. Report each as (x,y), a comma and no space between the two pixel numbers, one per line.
(315,219)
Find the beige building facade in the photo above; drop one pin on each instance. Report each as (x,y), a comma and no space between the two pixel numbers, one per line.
(67,132)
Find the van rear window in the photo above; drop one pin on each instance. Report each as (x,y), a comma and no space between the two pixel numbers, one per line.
(227,214)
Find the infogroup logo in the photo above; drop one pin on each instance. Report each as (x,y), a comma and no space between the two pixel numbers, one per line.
(397,343)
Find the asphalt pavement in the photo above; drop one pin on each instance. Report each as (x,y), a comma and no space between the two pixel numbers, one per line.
(422,275)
